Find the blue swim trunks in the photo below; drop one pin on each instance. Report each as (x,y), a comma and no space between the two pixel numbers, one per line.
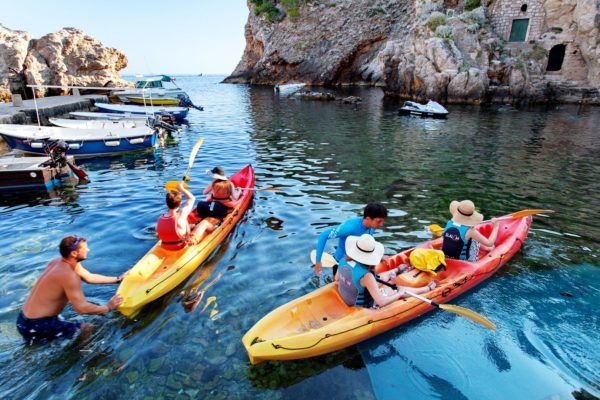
(35,330)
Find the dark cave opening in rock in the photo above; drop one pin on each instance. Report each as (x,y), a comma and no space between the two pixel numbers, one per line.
(556,58)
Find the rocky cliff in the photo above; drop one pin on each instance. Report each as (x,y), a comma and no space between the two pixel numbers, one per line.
(451,51)
(66,57)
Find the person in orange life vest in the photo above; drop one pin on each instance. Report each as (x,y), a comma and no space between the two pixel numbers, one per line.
(173,228)
(219,202)
(218,175)
(356,278)
(461,240)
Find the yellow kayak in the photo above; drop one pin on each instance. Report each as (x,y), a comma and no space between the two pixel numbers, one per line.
(154,102)
(320,322)
(160,270)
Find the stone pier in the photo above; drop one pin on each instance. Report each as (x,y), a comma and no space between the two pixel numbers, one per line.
(48,107)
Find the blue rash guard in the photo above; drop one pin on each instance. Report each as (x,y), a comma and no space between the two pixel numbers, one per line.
(352,227)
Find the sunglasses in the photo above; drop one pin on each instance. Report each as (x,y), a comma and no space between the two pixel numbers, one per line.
(75,243)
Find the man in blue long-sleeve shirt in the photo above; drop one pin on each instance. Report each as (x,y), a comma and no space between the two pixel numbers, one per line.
(373,218)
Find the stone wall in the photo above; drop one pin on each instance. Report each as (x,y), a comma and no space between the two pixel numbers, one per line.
(503,12)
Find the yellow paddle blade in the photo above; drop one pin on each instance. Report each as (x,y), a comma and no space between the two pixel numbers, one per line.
(526,213)
(327,259)
(172,185)
(193,153)
(208,301)
(436,229)
(472,315)
(213,313)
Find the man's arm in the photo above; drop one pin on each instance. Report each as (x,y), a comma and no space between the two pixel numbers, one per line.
(72,287)
(88,277)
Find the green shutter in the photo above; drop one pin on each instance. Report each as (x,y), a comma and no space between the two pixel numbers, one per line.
(518,32)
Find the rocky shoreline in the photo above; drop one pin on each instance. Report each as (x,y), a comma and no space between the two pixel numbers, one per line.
(66,57)
(449,51)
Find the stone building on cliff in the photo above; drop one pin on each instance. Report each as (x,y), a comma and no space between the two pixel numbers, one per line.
(528,22)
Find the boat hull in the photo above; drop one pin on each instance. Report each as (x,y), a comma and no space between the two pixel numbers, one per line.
(320,322)
(178,113)
(153,101)
(160,270)
(422,114)
(87,148)
(30,173)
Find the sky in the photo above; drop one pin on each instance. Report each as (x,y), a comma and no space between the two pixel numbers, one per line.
(170,37)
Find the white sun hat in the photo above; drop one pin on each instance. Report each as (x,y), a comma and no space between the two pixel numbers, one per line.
(364,249)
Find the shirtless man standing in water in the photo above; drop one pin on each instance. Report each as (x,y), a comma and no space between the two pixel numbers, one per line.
(59,284)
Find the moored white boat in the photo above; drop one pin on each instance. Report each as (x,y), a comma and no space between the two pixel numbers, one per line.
(98,124)
(175,112)
(83,115)
(82,142)
(156,87)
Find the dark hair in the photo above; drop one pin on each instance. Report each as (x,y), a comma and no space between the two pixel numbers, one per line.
(375,210)
(66,244)
(173,199)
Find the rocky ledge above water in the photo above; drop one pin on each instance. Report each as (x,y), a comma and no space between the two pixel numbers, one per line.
(451,51)
(66,57)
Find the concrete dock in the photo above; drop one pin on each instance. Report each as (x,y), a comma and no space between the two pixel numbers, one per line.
(47,107)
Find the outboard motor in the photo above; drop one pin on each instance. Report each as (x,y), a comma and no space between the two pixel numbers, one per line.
(186,102)
(57,151)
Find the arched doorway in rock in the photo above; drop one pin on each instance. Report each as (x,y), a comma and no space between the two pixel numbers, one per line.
(556,57)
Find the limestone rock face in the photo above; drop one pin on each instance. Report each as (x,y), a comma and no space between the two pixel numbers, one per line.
(423,49)
(66,57)
(13,50)
(328,42)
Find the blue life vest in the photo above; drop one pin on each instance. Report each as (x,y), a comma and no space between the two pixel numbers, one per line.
(455,243)
(349,287)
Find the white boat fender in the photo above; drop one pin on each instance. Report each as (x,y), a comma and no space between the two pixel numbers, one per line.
(136,140)
(112,143)
(37,145)
(74,146)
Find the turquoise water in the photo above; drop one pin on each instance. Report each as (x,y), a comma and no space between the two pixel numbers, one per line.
(330,159)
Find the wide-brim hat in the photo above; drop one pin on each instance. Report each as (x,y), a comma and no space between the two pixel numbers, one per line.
(364,249)
(217,173)
(463,213)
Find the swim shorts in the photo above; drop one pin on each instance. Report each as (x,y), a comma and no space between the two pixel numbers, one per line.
(36,330)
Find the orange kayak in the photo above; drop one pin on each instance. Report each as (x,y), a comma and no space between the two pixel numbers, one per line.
(320,322)
(160,270)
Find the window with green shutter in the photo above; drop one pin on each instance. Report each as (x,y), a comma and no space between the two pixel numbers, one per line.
(518,32)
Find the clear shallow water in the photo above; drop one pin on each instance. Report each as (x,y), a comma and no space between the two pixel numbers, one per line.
(330,158)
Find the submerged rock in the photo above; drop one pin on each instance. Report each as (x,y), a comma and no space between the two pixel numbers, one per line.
(320,96)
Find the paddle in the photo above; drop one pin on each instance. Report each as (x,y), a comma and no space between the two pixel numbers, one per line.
(195,149)
(438,230)
(327,259)
(172,185)
(463,312)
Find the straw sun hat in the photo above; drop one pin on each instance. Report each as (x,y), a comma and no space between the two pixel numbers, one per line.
(463,213)
(364,249)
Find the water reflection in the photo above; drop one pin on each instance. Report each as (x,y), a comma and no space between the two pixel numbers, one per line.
(329,159)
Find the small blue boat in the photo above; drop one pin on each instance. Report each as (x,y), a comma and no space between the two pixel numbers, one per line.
(178,113)
(82,142)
